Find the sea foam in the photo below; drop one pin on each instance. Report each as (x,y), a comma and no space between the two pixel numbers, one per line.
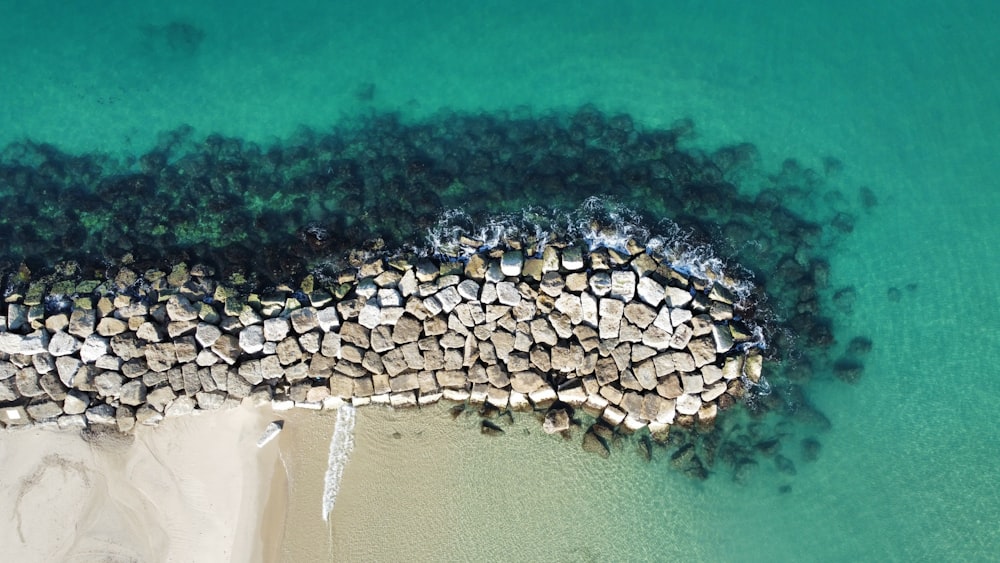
(341,445)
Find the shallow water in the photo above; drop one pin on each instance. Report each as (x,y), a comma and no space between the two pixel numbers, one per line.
(904,97)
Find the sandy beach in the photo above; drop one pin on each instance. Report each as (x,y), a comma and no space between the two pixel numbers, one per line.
(196,488)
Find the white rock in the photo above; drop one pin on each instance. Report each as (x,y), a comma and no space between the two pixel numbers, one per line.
(469,290)
(713,391)
(611,312)
(63,344)
(679,316)
(388,297)
(93,347)
(275,330)
(206,334)
(507,294)
(688,404)
(449,298)
(600,283)
(677,297)
(370,315)
(328,319)
(588,308)
(650,292)
(572,258)
(623,285)
(252,339)
(512,263)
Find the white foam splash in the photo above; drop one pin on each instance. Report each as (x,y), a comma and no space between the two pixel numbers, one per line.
(341,445)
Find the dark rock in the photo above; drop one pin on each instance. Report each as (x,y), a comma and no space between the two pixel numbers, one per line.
(592,443)
(810,449)
(848,369)
(490,429)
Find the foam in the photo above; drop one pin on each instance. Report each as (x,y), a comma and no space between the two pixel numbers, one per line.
(341,445)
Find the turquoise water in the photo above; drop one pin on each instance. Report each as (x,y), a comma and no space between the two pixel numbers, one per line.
(904,96)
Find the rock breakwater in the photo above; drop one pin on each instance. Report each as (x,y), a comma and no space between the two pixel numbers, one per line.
(619,333)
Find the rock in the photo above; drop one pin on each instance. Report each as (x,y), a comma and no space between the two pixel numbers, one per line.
(328,319)
(611,312)
(102,414)
(640,315)
(109,384)
(543,333)
(669,387)
(181,406)
(227,347)
(49,382)
(512,263)
(846,369)
(650,292)
(160,397)
(572,258)
(600,283)
(275,330)
(147,416)
(370,315)
(93,347)
(76,402)
(753,365)
(572,395)
(469,290)
(45,410)
(556,420)
(623,285)
(161,356)
(676,297)
(657,338)
(702,349)
(63,344)
(180,309)
(613,415)
(303,320)
(680,316)
(688,404)
(527,381)
(82,322)
(594,444)
(722,338)
(507,294)
(682,335)
(645,374)
(252,339)
(132,393)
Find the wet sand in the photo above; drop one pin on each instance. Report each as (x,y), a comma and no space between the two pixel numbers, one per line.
(194,489)
(421,486)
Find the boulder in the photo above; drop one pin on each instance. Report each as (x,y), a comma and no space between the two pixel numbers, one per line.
(650,292)
(180,309)
(45,410)
(623,285)
(275,330)
(63,344)
(594,444)
(556,420)
(611,312)
(688,404)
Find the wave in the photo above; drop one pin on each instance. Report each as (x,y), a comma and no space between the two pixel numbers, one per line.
(341,445)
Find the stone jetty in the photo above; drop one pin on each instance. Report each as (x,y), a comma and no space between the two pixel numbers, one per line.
(618,333)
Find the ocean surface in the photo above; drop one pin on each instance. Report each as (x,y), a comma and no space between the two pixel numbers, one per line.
(905,96)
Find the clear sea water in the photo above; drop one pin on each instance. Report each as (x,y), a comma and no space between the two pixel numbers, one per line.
(905,94)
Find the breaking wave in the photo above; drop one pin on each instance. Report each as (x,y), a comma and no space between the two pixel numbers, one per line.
(341,445)
(599,222)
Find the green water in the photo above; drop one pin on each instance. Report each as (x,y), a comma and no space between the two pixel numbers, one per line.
(905,95)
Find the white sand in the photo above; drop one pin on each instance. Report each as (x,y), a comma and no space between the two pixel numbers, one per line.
(194,489)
